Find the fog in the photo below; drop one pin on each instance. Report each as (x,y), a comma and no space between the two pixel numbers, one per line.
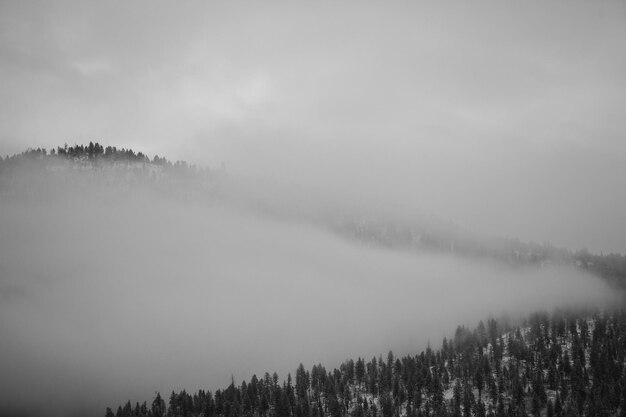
(506,120)
(107,296)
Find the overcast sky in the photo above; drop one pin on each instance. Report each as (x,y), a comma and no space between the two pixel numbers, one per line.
(505,118)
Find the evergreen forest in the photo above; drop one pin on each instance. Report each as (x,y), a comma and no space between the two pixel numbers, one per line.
(562,364)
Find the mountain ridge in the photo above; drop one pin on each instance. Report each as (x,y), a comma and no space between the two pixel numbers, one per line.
(126,167)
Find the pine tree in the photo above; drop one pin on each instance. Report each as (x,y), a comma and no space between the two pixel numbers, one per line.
(158,406)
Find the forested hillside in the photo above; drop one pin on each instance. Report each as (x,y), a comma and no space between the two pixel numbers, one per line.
(125,168)
(563,364)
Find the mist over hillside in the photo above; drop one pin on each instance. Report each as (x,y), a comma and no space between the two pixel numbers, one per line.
(121,278)
(193,193)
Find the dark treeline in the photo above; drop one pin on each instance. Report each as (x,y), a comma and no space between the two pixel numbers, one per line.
(37,173)
(564,364)
(92,151)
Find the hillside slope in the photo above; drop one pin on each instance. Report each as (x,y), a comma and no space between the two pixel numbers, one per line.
(37,172)
(564,364)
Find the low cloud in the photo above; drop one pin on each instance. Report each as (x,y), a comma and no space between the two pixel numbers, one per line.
(106,299)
